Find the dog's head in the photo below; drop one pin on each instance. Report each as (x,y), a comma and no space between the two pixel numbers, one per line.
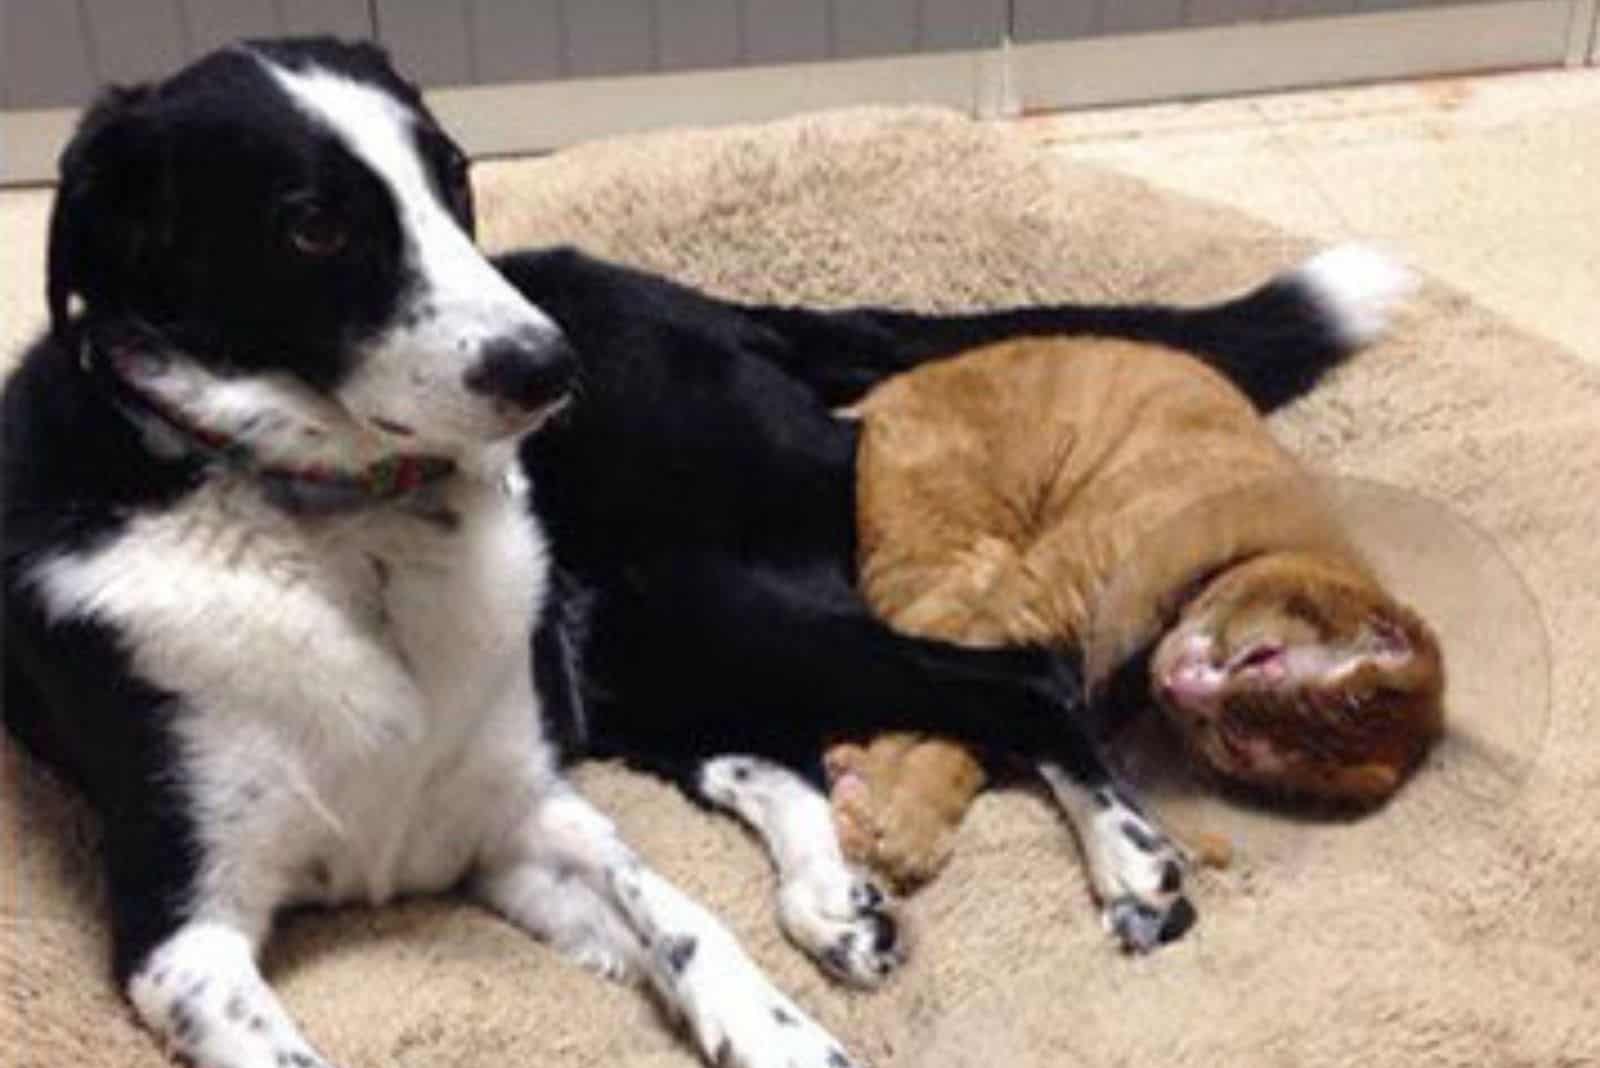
(293,207)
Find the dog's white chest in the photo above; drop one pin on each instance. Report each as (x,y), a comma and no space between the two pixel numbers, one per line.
(356,708)
(458,593)
(457,599)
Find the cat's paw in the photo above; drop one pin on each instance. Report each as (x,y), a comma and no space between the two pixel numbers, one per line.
(913,842)
(851,802)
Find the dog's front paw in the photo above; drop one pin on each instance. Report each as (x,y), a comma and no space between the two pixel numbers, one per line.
(845,922)
(786,1039)
(740,1020)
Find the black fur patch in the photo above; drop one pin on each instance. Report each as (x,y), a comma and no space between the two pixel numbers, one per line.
(679,953)
(1141,838)
(885,931)
(868,896)
(186,1026)
(837,956)
(1171,877)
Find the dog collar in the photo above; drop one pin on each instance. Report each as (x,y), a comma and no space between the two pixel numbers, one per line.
(316,488)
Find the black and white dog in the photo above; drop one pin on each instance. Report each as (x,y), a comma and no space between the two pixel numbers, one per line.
(269,573)
(271,564)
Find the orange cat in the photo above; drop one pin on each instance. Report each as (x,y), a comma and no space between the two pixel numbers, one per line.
(1126,501)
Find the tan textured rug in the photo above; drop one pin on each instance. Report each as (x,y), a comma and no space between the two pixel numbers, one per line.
(1455,928)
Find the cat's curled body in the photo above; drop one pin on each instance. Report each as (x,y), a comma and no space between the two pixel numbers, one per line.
(1124,500)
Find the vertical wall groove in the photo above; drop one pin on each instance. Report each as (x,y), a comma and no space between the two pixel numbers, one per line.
(564,38)
(741,32)
(469,26)
(185,30)
(91,49)
(653,15)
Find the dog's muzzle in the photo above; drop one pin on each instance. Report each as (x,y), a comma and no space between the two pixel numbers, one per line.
(531,370)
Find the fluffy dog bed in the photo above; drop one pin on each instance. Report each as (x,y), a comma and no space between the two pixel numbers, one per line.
(1456,927)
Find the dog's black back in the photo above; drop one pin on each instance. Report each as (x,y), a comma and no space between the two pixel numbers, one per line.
(687,434)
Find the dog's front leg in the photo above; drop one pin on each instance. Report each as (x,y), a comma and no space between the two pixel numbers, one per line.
(201,992)
(735,1015)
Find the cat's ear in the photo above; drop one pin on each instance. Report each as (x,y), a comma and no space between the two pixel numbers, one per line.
(1388,638)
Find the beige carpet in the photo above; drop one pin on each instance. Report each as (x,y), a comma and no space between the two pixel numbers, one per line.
(1459,927)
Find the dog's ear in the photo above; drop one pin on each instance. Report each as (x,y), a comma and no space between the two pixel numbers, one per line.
(112,210)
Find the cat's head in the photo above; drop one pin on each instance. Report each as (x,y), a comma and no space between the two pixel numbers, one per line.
(1297,673)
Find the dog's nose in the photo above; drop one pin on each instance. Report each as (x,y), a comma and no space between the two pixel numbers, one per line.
(530,371)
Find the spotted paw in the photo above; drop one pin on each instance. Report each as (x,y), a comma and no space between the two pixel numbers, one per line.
(1140,928)
(790,1040)
(1138,874)
(846,923)
(740,1020)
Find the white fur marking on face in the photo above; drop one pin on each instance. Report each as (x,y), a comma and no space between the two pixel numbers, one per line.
(460,303)
(278,418)
(829,910)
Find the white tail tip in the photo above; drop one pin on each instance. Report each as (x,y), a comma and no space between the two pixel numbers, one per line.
(1358,287)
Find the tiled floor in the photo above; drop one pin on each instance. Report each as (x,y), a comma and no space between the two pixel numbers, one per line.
(1489,183)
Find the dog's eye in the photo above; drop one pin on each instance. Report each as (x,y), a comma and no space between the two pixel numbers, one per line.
(316,232)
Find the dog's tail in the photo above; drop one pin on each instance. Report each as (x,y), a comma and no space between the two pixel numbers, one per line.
(1275,342)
